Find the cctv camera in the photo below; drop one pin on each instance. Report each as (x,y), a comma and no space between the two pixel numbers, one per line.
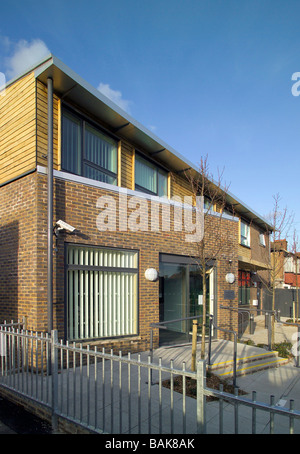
(64,226)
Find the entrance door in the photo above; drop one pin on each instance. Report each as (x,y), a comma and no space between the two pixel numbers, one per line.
(196,295)
(180,297)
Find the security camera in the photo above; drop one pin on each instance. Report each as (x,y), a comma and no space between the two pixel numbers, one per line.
(61,225)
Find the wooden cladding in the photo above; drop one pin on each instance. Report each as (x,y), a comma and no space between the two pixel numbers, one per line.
(24,137)
(17,129)
(42,127)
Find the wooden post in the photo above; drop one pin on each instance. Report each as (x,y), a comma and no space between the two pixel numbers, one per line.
(294,311)
(194,345)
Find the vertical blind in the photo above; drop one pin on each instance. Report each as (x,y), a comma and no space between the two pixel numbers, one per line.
(87,151)
(150,177)
(145,175)
(100,149)
(101,293)
(71,144)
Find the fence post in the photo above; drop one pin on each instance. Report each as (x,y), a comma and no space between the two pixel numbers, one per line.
(269,332)
(234,358)
(298,352)
(25,318)
(266,320)
(210,337)
(251,328)
(201,398)
(54,378)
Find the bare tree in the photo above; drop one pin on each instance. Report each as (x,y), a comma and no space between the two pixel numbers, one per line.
(281,221)
(213,194)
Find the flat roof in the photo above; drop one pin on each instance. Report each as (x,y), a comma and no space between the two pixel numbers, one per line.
(71,87)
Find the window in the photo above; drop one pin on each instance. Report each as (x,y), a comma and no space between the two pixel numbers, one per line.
(208,205)
(262,240)
(101,292)
(245,234)
(150,178)
(86,151)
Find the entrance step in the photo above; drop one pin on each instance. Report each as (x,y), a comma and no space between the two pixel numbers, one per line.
(248,364)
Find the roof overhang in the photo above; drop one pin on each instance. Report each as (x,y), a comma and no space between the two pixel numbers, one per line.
(70,86)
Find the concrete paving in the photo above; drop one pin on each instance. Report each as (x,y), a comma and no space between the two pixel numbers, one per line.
(282,382)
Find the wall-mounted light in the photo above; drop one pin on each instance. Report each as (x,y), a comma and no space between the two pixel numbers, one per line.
(230,278)
(151,274)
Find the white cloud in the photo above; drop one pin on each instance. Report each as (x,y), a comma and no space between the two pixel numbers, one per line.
(24,55)
(152,128)
(115,96)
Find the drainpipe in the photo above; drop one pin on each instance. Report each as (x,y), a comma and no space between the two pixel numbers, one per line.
(50,207)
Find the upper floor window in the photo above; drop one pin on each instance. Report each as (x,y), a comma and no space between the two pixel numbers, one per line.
(150,178)
(262,239)
(207,204)
(87,151)
(245,234)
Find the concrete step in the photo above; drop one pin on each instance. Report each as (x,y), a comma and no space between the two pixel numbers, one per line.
(248,365)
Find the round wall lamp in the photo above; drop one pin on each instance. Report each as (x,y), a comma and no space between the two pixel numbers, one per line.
(230,278)
(151,274)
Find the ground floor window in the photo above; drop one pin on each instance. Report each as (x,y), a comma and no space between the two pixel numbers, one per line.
(101,292)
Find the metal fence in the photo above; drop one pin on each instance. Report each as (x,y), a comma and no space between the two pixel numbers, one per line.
(108,393)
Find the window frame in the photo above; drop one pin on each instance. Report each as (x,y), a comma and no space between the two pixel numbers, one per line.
(100,268)
(83,122)
(248,237)
(262,239)
(159,170)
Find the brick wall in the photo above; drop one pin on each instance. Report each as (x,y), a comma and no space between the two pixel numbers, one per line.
(23,280)
(18,252)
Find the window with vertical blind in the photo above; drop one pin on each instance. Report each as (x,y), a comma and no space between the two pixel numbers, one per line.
(87,151)
(101,292)
(150,178)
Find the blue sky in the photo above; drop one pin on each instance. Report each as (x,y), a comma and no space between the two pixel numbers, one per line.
(209,77)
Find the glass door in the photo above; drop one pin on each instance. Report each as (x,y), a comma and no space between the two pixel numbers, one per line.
(181,297)
(196,295)
(173,300)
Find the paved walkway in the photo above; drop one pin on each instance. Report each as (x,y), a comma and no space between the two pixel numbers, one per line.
(282,382)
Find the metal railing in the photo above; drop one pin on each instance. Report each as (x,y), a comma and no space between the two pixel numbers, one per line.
(249,313)
(211,327)
(108,393)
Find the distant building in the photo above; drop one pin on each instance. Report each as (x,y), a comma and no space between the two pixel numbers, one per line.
(287,265)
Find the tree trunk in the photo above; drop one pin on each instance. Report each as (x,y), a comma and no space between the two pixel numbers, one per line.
(204,313)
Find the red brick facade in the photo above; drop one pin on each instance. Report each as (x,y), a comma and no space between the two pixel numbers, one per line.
(23,280)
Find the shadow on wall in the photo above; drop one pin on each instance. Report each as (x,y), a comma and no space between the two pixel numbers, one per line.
(9,245)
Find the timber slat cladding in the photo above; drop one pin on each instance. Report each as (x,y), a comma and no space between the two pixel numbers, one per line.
(126,165)
(42,126)
(17,129)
